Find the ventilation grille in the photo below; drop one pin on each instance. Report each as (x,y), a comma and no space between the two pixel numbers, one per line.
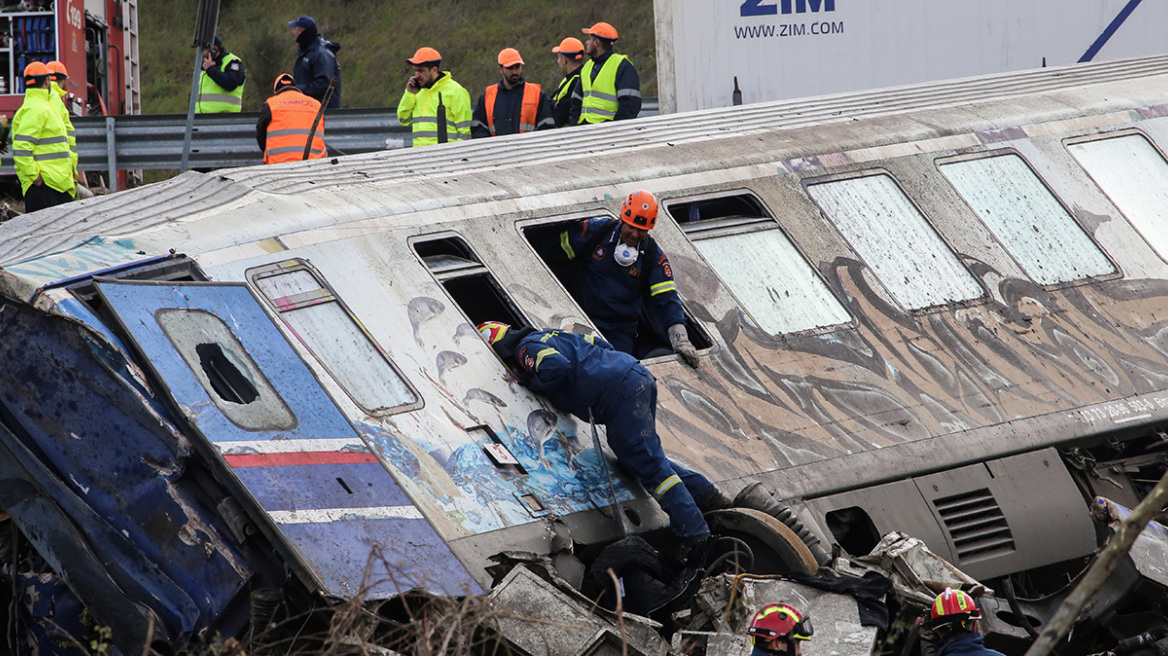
(976,525)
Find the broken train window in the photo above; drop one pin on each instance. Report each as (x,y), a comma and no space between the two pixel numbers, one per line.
(226,371)
(651,341)
(468,282)
(331,332)
(758,263)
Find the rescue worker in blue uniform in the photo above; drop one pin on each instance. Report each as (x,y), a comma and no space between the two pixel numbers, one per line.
(585,376)
(954,618)
(316,62)
(621,274)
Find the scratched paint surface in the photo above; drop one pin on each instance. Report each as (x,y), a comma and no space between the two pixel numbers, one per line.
(346,518)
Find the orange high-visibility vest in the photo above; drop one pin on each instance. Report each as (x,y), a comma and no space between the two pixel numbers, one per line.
(292,116)
(528,113)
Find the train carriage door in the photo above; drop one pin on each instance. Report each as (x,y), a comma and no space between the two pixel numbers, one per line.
(239,383)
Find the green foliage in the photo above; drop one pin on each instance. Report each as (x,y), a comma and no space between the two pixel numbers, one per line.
(377,36)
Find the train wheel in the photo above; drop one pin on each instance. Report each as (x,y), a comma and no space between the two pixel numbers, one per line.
(775,547)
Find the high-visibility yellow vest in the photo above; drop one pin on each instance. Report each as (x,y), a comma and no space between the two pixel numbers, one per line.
(70,132)
(420,110)
(600,94)
(39,144)
(292,117)
(565,86)
(214,99)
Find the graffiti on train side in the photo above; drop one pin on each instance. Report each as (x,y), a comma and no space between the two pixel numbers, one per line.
(897,376)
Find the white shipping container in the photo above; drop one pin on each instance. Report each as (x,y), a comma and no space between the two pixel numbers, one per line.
(793,48)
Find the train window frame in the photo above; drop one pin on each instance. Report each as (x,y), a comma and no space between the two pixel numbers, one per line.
(767,221)
(1118,134)
(470,268)
(699,334)
(221,371)
(980,299)
(289,266)
(1116,271)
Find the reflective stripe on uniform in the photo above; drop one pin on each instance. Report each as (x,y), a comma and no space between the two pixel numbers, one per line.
(666,485)
(662,287)
(566,244)
(43,156)
(221,98)
(542,354)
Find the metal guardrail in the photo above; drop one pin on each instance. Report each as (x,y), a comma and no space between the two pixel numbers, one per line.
(112,143)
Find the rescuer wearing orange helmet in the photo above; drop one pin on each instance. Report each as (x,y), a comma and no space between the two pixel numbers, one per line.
(610,84)
(40,145)
(570,58)
(59,77)
(620,274)
(953,617)
(513,105)
(286,122)
(428,89)
(778,630)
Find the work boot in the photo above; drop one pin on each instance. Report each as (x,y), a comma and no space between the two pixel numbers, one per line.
(713,499)
(757,497)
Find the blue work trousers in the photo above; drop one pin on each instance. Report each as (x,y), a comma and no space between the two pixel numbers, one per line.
(629,414)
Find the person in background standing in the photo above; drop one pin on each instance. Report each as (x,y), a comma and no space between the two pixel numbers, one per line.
(429,87)
(513,105)
(610,84)
(316,62)
(40,147)
(286,122)
(570,59)
(221,82)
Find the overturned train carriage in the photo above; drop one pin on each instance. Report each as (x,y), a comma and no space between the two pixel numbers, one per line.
(937,309)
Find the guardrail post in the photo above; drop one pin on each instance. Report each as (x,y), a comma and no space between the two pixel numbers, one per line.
(111,145)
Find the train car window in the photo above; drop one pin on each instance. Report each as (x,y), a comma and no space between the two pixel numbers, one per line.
(330,330)
(226,371)
(468,281)
(892,236)
(1027,219)
(1134,176)
(772,280)
(651,342)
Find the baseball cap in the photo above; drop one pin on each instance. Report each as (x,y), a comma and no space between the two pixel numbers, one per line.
(602,30)
(569,46)
(509,57)
(305,22)
(425,55)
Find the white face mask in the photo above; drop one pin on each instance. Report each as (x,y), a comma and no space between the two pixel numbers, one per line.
(624,254)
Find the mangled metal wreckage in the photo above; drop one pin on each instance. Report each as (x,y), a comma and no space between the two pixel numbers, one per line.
(229,398)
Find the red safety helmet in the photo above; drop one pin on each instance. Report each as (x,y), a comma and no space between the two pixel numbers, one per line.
(640,210)
(780,621)
(953,606)
(493,331)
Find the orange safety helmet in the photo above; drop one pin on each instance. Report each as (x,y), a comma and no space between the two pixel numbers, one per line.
(780,621)
(58,70)
(425,55)
(283,80)
(602,30)
(640,210)
(570,48)
(953,606)
(493,331)
(37,69)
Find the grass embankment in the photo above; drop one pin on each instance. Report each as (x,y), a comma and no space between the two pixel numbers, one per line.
(376,37)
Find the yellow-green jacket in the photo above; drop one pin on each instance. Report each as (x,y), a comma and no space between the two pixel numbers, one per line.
(63,110)
(421,111)
(40,146)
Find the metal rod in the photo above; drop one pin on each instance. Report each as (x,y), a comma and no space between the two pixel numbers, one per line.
(616,510)
(186,151)
(111,145)
(1109,559)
